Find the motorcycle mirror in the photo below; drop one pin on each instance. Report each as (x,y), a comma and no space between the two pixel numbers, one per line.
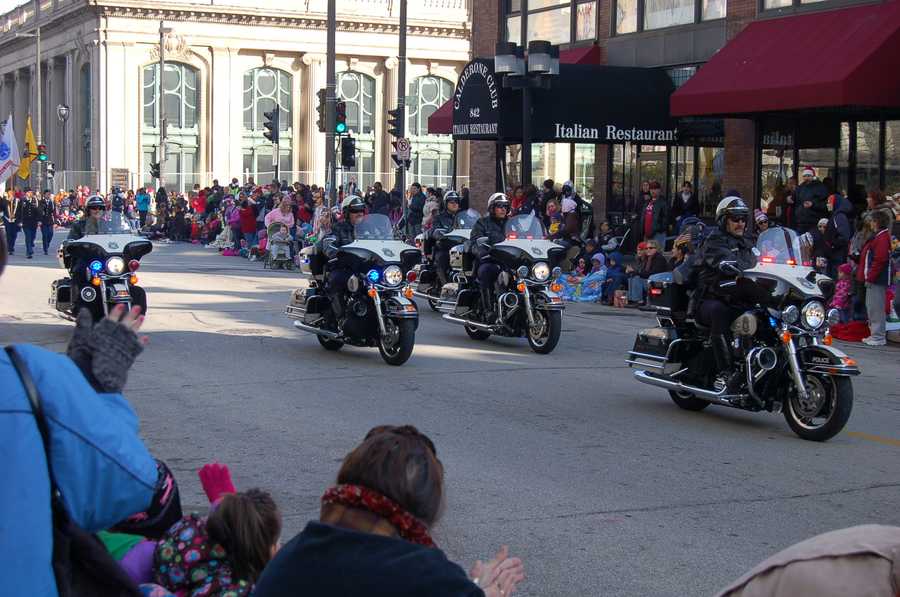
(811,276)
(756,252)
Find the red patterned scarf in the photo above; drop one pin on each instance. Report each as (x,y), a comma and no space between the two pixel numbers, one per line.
(406,525)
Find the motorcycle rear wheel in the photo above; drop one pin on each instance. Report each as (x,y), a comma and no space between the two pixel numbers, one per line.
(687,401)
(403,337)
(830,395)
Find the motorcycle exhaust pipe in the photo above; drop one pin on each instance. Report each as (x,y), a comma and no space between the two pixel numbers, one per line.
(766,359)
(720,398)
(317,331)
(472,324)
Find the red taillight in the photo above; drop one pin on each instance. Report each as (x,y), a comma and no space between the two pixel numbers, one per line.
(512,236)
(807,263)
(767,259)
(792,262)
(411,276)
(656,291)
(133,265)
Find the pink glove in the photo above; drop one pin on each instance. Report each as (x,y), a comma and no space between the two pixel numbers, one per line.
(216,481)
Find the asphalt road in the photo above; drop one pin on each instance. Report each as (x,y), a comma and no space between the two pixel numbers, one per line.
(600,483)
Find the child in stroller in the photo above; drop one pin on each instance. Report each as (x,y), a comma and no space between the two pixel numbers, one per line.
(279,246)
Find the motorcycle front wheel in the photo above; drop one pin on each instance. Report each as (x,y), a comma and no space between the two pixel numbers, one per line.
(397,345)
(544,336)
(139,298)
(825,412)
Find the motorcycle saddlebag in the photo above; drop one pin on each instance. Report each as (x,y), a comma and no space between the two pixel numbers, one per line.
(62,291)
(665,294)
(654,342)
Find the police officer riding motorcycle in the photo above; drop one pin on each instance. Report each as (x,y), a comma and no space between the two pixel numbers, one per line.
(444,220)
(342,233)
(491,227)
(722,295)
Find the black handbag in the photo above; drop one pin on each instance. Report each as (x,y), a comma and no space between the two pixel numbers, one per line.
(81,564)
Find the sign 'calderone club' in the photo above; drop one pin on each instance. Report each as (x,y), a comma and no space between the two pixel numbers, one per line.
(476,102)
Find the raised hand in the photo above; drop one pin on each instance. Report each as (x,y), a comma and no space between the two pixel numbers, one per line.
(500,576)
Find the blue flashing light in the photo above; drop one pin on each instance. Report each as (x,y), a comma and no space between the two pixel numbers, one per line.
(373,275)
(96,266)
(773,322)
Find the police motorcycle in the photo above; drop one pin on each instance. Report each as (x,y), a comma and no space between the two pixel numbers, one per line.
(428,280)
(528,302)
(102,271)
(787,362)
(376,306)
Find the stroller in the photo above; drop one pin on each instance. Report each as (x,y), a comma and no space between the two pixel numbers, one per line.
(278,254)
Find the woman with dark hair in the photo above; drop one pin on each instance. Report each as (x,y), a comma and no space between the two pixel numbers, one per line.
(373,538)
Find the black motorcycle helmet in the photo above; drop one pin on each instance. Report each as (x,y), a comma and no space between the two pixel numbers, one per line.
(731,207)
(94,201)
(353,204)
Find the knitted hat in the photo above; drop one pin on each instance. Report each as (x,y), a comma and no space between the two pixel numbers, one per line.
(823,222)
(760,216)
(808,171)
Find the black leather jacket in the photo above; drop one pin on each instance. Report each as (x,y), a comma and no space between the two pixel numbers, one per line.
(444,220)
(492,228)
(343,233)
(720,246)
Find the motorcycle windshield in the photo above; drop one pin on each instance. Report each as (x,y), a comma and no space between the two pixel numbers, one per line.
(783,246)
(465,220)
(375,227)
(109,225)
(525,226)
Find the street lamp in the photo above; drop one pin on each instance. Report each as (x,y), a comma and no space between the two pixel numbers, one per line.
(542,68)
(62,112)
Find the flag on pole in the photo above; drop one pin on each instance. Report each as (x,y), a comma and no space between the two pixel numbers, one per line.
(9,150)
(30,151)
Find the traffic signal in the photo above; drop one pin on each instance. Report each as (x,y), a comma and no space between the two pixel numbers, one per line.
(340,117)
(395,119)
(42,153)
(348,152)
(271,125)
(51,169)
(154,170)
(320,108)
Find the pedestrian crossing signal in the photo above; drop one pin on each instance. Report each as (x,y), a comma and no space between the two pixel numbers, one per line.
(271,125)
(340,117)
(42,153)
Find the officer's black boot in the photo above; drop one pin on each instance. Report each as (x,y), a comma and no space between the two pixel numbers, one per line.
(726,376)
(487,304)
(337,305)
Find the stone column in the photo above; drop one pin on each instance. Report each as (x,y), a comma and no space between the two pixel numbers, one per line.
(224,136)
(313,142)
(69,100)
(48,108)
(386,164)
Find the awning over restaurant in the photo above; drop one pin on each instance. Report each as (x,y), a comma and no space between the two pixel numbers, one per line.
(588,103)
(441,121)
(835,59)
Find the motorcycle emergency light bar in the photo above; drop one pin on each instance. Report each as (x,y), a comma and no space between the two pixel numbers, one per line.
(767,259)
(373,275)
(96,266)
(792,262)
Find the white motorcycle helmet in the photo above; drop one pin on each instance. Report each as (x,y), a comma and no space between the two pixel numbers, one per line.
(497,200)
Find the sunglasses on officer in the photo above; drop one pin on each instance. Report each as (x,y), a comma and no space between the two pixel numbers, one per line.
(738,219)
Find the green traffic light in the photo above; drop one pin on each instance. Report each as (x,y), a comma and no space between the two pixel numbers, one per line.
(340,127)
(42,157)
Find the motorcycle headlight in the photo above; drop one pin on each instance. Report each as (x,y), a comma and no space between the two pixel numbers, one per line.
(790,315)
(540,271)
(115,266)
(813,315)
(393,276)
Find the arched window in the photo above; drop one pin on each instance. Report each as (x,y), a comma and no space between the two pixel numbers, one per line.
(181,103)
(358,93)
(264,88)
(432,158)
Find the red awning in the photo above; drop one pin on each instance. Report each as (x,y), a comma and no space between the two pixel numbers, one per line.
(584,55)
(831,59)
(441,121)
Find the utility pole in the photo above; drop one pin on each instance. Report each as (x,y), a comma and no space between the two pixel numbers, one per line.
(37,92)
(400,182)
(526,105)
(330,94)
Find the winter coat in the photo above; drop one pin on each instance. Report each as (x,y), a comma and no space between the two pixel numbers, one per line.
(104,471)
(843,294)
(380,203)
(839,231)
(276,216)
(416,209)
(807,218)
(343,233)
(189,562)
(329,560)
(143,200)
(660,218)
(655,265)
(720,246)
(875,260)
(248,220)
(492,228)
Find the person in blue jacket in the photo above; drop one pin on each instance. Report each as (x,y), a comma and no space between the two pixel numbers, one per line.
(104,472)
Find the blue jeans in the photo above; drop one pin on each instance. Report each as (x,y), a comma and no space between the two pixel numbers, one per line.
(30,233)
(252,239)
(46,236)
(637,289)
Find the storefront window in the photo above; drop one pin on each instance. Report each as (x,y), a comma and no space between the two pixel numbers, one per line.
(554,25)
(514,29)
(586,21)
(623,186)
(550,160)
(584,170)
(626,16)
(777,163)
(538,4)
(776,4)
(712,9)
(513,164)
(868,154)
(710,173)
(822,159)
(892,157)
(681,169)
(666,13)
